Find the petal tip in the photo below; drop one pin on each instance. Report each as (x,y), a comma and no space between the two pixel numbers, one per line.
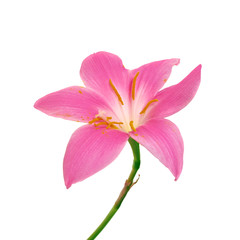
(177,61)
(36,104)
(199,67)
(176,178)
(68,184)
(178,172)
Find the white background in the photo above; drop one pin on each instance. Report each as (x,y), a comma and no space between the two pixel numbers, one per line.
(42,46)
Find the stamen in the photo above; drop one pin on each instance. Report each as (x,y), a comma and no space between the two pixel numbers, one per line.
(133,85)
(148,104)
(94,120)
(132,126)
(108,118)
(116,92)
(101,123)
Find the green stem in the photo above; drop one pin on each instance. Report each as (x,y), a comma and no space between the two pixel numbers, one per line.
(128,184)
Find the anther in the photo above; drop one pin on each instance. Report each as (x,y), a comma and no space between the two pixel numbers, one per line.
(116,92)
(94,120)
(101,123)
(132,126)
(134,85)
(116,122)
(110,125)
(148,104)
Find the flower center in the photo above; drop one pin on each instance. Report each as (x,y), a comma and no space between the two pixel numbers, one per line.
(127,117)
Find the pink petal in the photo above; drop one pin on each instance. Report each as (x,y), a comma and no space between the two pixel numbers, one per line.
(163,139)
(72,103)
(152,77)
(174,98)
(99,68)
(90,150)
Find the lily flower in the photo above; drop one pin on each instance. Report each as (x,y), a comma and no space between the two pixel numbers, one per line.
(118,104)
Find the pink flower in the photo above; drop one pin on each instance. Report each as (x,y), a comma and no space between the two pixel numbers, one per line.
(118,103)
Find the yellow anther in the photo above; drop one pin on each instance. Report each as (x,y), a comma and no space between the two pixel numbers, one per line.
(132,126)
(116,92)
(116,122)
(108,118)
(133,85)
(94,120)
(110,125)
(80,92)
(101,123)
(148,104)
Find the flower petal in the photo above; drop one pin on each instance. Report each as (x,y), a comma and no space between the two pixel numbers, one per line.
(72,103)
(152,77)
(174,98)
(99,68)
(90,150)
(163,139)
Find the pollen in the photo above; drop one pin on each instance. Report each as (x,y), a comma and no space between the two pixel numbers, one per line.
(116,92)
(134,85)
(80,92)
(148,104)
(165,80)
(132,126)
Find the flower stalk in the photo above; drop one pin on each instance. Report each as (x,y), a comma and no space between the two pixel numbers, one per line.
(127,186)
